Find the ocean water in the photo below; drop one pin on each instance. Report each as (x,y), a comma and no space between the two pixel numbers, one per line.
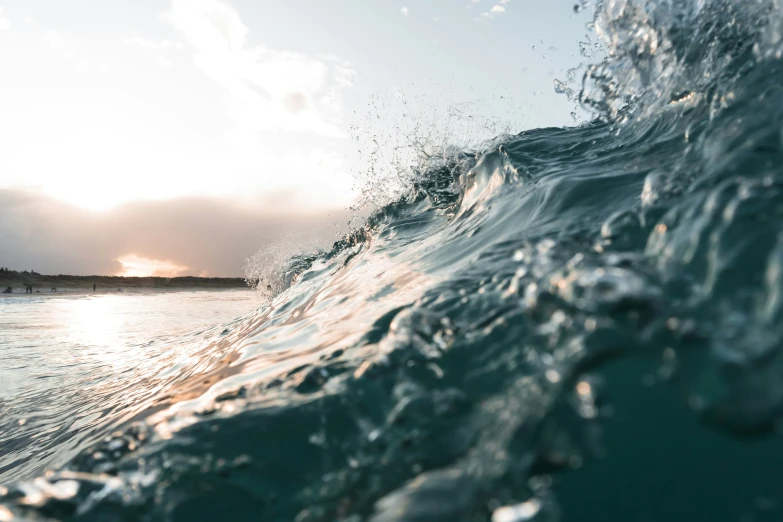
(75,367)
(568,324)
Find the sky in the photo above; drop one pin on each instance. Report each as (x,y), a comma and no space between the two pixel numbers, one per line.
(249,111)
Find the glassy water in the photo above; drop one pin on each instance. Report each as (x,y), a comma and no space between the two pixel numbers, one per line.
(75,366)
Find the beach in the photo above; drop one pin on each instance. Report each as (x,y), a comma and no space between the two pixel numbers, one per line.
(72,284)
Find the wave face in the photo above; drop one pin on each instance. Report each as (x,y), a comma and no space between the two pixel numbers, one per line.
(574,324)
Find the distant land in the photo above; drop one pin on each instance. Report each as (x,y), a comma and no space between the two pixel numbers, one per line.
(46,284)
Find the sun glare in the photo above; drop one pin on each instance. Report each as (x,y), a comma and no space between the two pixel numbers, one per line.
(137,266)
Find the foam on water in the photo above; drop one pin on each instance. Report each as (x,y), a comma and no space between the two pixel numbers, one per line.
(572,324)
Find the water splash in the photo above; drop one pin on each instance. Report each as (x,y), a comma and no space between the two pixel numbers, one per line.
(659,51)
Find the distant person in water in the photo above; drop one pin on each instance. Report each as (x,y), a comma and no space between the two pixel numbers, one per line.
(93,287)
(54,289)
(8,290)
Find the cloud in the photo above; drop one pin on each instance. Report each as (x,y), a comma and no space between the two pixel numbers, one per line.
(187,236)
(117,126)
(496,10)
(5,25)
(262,82)
(151,45)
(405,11)
(64,45)
(155,50)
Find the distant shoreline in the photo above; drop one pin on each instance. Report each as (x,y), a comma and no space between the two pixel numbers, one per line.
(47,284)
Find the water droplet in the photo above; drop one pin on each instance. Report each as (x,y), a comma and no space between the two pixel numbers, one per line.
(317,439)
(5,514)
(584,388)
(64,489)
(518,513)
(552,376)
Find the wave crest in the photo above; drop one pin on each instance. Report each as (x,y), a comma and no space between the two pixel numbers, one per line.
(664,52)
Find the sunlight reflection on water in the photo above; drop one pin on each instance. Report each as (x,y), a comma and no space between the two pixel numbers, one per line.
(70,363)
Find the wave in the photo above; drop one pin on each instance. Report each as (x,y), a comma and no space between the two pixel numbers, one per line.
(511,336)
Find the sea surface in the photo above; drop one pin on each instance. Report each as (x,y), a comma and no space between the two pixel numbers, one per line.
(567,324)
(73,367)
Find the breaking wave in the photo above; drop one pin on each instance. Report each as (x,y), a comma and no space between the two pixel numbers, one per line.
(576,323)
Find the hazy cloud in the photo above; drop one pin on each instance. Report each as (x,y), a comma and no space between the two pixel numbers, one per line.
(404,11)
(498,9)
(260,80)
(154,49)
(116,129)
(151,45)
(66,46)
(5,25)
(189,236)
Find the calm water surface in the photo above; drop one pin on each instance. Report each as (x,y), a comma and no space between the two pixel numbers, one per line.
(72,365)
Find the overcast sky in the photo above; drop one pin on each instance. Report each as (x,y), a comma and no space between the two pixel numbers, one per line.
(244,104)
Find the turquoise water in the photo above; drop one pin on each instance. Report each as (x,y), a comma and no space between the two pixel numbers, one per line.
(569,324)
